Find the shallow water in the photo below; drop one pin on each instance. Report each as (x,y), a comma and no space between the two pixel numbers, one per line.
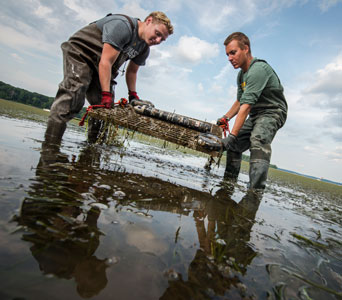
(143,222)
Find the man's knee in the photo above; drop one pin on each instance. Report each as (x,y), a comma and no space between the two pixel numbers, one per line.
(261,151)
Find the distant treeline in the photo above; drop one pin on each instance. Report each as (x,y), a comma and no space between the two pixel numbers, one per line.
(9,92)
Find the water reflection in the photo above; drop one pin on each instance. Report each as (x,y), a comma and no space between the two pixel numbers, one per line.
(223,228)
(232,222)
(155,239)
(62,225)
(63,232)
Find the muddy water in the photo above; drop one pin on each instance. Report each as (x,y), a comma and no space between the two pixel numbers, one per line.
(142,222)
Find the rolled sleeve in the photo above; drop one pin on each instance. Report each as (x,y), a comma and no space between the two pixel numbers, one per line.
(255,84)
(117,35)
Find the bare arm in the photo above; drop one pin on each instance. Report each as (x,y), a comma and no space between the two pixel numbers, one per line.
(131,76)
(241,118)
(108,57)
(233,110)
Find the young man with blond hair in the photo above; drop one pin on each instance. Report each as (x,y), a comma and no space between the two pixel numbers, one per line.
(92,58)
(260,110)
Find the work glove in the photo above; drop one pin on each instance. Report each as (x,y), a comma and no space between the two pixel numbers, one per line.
(222,121)
(123,102)
(132,95)
(107,99)
(229,143)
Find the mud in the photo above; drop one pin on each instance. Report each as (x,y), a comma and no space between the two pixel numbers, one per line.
(143,222)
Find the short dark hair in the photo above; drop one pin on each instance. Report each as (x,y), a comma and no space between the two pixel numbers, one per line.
(242,39)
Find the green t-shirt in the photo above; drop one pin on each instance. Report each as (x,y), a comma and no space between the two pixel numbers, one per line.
(261,88)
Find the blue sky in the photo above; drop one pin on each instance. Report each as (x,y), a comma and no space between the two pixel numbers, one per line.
(190,74)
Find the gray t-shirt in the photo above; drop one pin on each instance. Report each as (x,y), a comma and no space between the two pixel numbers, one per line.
(117,31)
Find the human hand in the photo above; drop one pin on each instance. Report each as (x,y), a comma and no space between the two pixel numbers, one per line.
(229,142)
(222,121)
(107,99)
(132,95)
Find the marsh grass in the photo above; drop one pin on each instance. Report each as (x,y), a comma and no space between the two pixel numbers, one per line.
(11,106)
(326,188)
(16,109)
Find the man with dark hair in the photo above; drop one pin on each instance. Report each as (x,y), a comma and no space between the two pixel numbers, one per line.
(92,58)
(260,98)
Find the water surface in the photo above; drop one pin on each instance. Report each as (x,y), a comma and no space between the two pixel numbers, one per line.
(144,222)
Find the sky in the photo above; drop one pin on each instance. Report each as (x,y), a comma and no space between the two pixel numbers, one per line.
(190,74)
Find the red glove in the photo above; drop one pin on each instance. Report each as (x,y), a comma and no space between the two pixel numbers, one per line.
(122,102)
(132,95)
(222,121)
(107,99)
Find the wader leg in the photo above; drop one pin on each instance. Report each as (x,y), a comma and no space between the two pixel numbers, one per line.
(234,158)
(50,147)
(94,129)
(95,126)
(262,135)
(258,170)
(70,96)
(233,164)
(81,54)
(54,132)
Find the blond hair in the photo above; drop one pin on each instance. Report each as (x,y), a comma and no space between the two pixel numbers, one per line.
(160,17)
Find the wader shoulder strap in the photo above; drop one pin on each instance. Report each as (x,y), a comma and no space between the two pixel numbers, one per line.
(122,56)
(127,17)
(132,27)
(264,61)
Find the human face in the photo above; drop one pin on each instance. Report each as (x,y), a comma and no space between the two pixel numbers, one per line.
(155,33)
(239,58)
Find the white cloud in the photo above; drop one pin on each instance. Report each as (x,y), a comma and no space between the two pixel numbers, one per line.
(310,150)
(46,13)
(158,56)
(267,30)
(144,239)
(42,11)
(133,8)
(314,120)
(220,14)
(223,74)
(28,81)
(214,17)
(324,95)
(83,10)
(25,40)
(17,57)
(328,80)
(325,5)
(170,6)
(194,50)
(315,109)
(216,87)
(335,155)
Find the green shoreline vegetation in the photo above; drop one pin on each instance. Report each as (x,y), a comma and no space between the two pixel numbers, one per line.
(15,94)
